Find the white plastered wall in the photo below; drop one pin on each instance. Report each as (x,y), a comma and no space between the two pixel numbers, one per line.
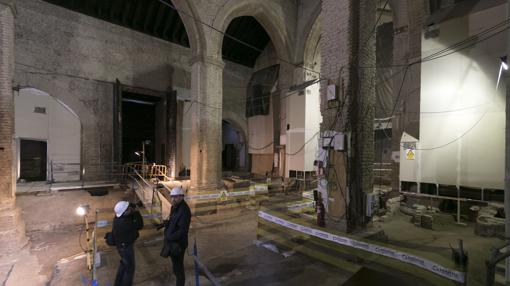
(462,121)
(59,127)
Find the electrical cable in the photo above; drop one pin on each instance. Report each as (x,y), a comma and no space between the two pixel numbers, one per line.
(181,12)
(79,238)
(464,44)
(449,50)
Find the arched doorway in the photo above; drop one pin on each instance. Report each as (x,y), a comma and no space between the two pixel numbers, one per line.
(233,147)
(48,138)
(254,98)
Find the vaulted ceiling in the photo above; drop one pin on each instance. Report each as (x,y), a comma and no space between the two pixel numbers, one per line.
(159,20)
(147,16)
(254,39)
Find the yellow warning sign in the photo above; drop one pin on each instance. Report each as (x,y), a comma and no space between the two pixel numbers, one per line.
(223,196)
(410,153)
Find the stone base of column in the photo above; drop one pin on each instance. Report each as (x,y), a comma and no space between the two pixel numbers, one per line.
(12,231)
(206,189)
(18,266)
(200,204)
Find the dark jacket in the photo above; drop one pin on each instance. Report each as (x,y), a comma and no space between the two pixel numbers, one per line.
(177,227)
(125,228)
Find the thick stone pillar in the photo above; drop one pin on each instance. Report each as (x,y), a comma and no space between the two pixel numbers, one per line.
(206,93)
(347,43)
(171,134)
(12,229)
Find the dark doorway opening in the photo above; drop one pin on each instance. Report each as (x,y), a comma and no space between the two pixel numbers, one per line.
(382,145)
(233,154)
(33,160)
(138,127)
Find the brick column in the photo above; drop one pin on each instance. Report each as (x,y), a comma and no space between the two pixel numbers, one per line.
(12,228)
(348,42)
(171,134)
(206,92)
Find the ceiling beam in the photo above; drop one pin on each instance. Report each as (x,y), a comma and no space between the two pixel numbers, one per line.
(176,32)
(148,16)
(171,19)
(126,12)
(113,9)
(137,19)
(159,18)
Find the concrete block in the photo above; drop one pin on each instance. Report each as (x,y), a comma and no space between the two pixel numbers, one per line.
(416,219)
(426,221)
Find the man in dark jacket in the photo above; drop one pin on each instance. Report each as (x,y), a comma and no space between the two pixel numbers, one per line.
(126,224)
(176,232)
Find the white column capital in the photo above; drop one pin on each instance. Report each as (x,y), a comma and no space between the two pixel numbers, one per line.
(207,60)
(10,4)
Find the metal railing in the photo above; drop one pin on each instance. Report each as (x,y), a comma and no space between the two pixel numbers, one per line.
(77,172)
(103,226)
(147,171)
(497,254)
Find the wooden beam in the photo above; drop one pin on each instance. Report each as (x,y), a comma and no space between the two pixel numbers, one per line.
(90,7)
(176,31)
(126,12)
(112,10)
(172,18)
(148,16)
(159,18)
(138,15)
(184,40)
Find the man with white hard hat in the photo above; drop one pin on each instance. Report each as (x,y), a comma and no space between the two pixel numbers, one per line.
(176,232)
(126,224)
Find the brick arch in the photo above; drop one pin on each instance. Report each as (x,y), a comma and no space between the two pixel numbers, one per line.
(310,27)
(237,122)
(312,44)
(271,19)
(188,15)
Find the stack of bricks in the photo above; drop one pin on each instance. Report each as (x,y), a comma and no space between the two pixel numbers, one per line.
(426,221)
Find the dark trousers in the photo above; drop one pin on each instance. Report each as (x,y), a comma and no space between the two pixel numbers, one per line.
(178,267)
(126,270)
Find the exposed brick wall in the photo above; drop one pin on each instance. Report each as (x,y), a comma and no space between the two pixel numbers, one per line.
(77,58)
(367,39)
(336,48)
(6,102)
(347,43)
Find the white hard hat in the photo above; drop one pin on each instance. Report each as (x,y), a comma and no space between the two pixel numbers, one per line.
(120,208)
(177,191)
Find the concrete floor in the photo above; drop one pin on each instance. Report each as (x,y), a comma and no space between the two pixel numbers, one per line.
(401,232)
(226,244)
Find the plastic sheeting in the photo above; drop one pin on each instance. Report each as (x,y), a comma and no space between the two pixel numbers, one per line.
(384,86)
(259,91)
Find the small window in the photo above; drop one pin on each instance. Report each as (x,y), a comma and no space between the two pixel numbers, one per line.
(39,109)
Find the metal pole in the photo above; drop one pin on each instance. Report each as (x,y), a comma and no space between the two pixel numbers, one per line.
(51,170)
(89,262)
(94,274)
(197,269)
(143,159)
(458,205)
(507,164)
